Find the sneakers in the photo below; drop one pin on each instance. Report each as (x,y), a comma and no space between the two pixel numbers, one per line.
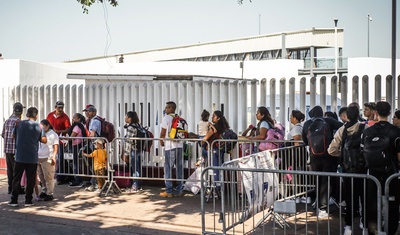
(13,203)
(306,200)
(165,194)
(135,189)
(98,191)
(48,198)
(322,214)
(180,194)
(91,188)
(42,195)
(38,198)
(28,203)
(347,230)
(76,185)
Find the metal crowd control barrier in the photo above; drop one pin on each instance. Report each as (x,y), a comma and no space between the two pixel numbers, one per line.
(72,163)
(255,204)
(390,200)
(150,164)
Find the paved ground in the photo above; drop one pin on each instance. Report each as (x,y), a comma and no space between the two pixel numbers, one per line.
(75,211)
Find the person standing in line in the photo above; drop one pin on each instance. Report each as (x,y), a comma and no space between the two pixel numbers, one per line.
(382,165)
(265,122)
(77,130)
(94,131)
(28,134)
(131,149)
(322,162)
(99,156)
(173,153)
(370,113)
(9,141)
(296,118)
(203,128)
(59,120)
(343,115)
(47,160)
(215,132)
(396,118)
(353,190)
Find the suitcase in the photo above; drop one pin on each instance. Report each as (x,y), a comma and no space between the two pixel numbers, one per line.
(122,170)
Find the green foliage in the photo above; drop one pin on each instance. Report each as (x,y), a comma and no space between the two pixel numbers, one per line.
(87,3)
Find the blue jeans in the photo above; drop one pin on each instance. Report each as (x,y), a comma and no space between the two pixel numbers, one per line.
(173,157)
(136,167)
(218,159)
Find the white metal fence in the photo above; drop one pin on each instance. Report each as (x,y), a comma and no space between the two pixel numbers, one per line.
(238,99)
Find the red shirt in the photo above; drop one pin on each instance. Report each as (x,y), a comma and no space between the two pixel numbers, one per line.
(59,123)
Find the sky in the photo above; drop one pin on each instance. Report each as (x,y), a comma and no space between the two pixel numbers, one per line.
(57,30)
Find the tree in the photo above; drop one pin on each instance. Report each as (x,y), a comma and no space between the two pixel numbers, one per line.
(87,3)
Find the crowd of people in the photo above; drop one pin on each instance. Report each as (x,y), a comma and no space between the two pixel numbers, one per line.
(35,151)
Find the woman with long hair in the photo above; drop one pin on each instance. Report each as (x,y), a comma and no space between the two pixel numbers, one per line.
(131,150)
(265,122)
(47,160)
(77,131)
(220,126)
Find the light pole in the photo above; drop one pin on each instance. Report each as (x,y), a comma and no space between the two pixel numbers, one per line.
(336,46)
(369,18)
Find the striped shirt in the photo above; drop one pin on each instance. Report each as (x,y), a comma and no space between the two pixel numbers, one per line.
(7,133)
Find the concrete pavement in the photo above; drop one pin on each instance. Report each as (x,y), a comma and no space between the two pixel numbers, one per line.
(75,211)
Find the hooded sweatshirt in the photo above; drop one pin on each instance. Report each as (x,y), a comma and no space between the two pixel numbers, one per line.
(317,112)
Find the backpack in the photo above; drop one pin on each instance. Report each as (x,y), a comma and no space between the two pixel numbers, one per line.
(274,133)
(319,137)
(352,157)
(179,128)
(228,146)
(375,148)
(107,129)
(143,132)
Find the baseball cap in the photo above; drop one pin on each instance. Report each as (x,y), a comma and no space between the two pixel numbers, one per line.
(87,106)
(59,104)
(18,107)
(100,141)
(91,109)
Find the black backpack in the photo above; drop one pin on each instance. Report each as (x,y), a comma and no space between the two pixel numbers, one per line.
(375,148)
(228,146)
(142,132)
(319,137)
(352,157)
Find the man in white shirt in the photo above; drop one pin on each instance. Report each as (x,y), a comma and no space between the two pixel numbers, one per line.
(173,153)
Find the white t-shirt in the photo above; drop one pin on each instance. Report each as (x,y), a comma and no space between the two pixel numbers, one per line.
(296,130)
(46,150)
(203,128)
(166,123)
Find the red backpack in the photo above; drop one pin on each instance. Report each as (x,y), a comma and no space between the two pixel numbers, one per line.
(179,128)
(107,129)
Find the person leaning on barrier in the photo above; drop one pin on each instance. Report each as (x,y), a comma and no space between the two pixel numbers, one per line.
(9,141)
(131,150)
(265,122)
(59,120)
(99,156)
(353,189)
(214,133)
(383,160)
(77,131)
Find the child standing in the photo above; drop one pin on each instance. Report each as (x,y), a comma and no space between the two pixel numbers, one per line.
(203,127)
(99,156)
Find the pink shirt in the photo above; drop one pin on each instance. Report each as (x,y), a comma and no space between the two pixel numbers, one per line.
(78,131)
